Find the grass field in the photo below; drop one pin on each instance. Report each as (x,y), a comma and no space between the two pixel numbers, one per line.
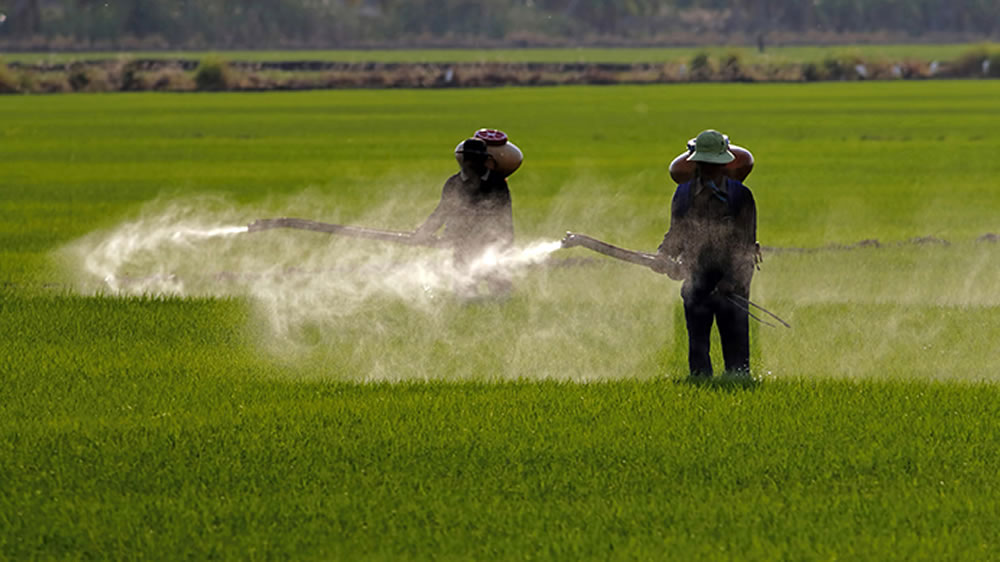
(276,401)
(592,55)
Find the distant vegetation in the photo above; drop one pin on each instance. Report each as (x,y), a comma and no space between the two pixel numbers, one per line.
(440,68)
(131,24)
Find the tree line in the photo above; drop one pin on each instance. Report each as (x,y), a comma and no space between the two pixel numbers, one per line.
(360,23)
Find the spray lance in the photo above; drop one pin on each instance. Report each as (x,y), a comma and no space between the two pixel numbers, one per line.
(671,266)
(399,237)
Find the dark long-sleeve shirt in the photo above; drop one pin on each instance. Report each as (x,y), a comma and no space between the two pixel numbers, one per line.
(475,212)
(713,232)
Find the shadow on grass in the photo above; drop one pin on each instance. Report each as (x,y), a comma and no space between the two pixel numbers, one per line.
(729,382)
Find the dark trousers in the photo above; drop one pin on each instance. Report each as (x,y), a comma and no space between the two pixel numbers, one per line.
(700,310)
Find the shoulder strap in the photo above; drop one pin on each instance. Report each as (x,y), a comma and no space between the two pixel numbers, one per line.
(735,190)
(737,195)
(682,199)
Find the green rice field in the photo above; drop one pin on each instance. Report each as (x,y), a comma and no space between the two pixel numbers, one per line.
(166,393)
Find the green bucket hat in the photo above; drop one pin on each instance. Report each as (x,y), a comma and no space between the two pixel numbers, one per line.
(713,147)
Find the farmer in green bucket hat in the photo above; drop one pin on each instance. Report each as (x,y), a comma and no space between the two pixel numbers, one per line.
(712,246)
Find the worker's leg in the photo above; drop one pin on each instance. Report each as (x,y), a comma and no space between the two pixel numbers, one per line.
(698,316)
(734,331)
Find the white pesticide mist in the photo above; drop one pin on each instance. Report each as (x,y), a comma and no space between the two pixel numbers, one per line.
(145,256)
(110,256)
(341,308)
(299,282)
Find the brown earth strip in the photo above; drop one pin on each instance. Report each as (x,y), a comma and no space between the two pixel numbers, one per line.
(217,75)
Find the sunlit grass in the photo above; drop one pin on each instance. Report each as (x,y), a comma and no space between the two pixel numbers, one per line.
(118,458)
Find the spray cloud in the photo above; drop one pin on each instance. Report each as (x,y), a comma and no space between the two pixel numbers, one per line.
(295,279)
